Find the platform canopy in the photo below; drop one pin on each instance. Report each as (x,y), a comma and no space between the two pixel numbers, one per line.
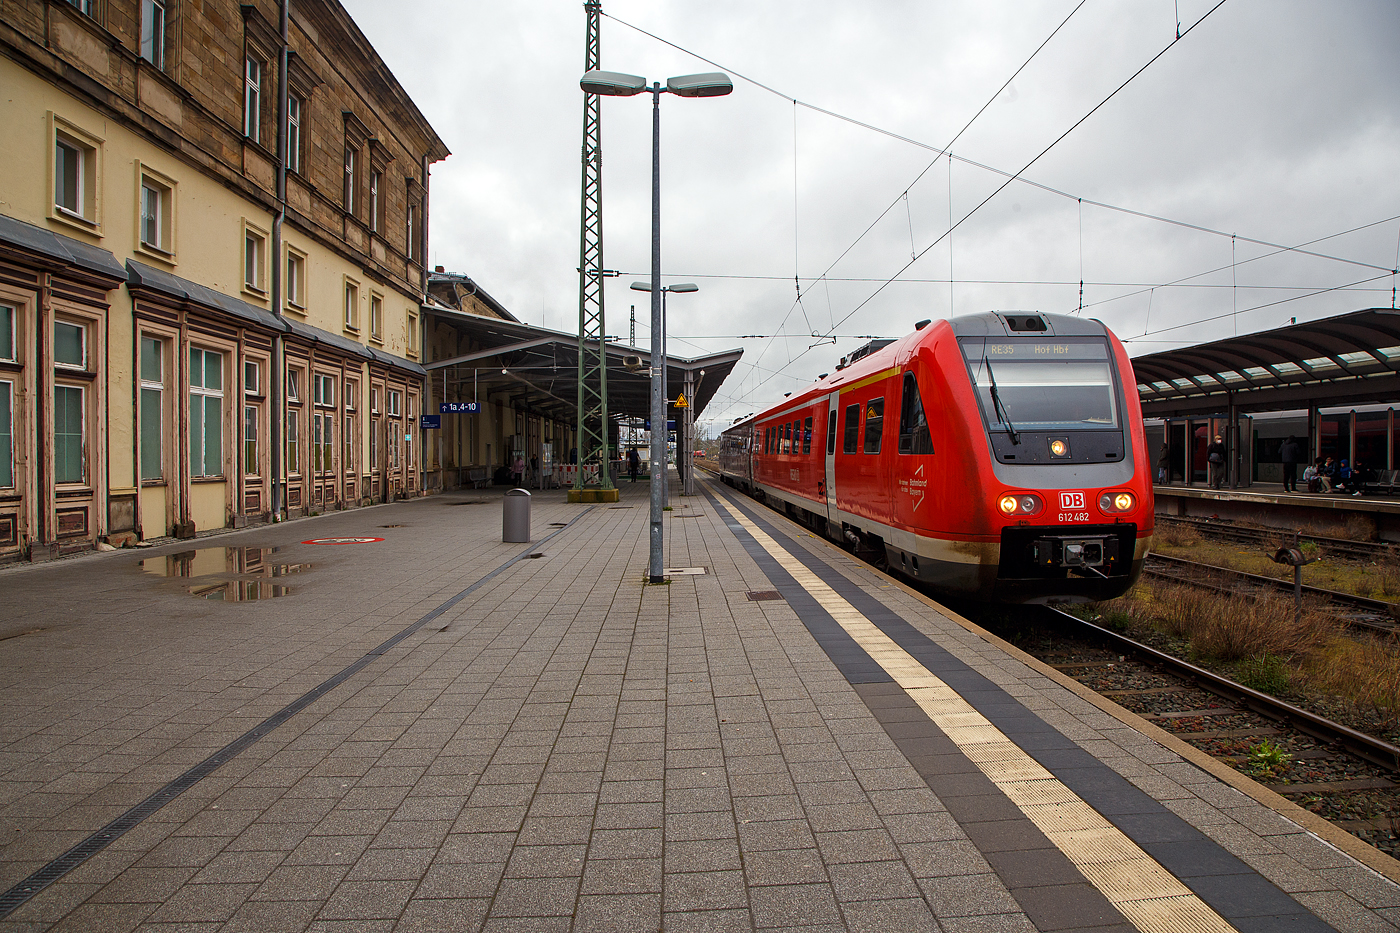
(1350,359)
(538,367)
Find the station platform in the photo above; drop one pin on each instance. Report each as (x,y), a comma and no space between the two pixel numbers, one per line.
(428,729)
(1373,516)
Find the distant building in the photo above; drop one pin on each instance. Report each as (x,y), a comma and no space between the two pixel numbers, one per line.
(181,349)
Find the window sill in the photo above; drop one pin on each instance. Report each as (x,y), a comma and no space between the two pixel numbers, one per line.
(155,252)
(209,479)
(258,293)
(296,309)
(76,221)
(152,483)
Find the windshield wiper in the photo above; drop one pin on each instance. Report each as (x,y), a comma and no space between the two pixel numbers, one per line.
(1000,409)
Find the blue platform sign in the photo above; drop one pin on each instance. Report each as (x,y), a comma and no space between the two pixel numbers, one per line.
(454,408)
(670,425)
(430,422)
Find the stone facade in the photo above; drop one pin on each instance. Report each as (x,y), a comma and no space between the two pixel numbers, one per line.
(144,354)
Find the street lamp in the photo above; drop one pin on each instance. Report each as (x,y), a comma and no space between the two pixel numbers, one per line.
(613,84)
(682,288)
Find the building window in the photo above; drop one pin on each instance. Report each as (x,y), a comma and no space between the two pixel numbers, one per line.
(376,317)
(8,313)
(411,225)
(352,159)
(7,435)
(325,390)
(293,133)
(352,306)
(411,338)
(293,385)
(69,345)
(206,412)
(250,439)
(296,279)
(152,408)
(252,97)
(373,444)
(153,32)
(293,441)
(395,397)
(351,388)
(157,213)
(76,175)
(350,443)
(69,458)
(376,205)
(253,244)
(82,6)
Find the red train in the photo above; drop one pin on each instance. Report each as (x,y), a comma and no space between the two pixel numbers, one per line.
(998,456)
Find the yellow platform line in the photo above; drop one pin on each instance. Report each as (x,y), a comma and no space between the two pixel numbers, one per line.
(1148,895)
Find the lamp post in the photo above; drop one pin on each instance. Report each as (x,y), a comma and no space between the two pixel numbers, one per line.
(612,84)
(682,288)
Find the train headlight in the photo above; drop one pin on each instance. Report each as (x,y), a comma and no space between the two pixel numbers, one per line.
(1117,502)
(1023,504)
(1059,447)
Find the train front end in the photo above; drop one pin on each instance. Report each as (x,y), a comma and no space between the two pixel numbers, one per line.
(1066,490)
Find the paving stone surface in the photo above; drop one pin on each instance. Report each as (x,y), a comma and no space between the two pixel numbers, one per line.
(549,744)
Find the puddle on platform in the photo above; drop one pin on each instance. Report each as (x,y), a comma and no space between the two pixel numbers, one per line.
(210,561)
(241,591)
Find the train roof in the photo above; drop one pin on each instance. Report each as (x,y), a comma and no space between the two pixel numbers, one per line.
(882,353)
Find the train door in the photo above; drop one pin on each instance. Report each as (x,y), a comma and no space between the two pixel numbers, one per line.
(830,485)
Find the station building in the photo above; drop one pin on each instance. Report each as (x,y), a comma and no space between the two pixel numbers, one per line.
(212,231)
(1333,384)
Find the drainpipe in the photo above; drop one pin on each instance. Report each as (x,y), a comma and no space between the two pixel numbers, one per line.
(277,416)
(423,345)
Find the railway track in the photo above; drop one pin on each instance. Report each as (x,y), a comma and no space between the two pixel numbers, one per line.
(1359,612)
(1267,537)
(1340,773)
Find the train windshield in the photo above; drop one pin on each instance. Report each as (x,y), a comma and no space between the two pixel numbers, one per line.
(1043,385)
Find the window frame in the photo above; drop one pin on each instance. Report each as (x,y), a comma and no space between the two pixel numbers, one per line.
(295,105)
(84,448)
(850,430)
(7,432)
(207,394)
(376,317)
(82,327)
(86,212)
(154,38)
(165,187)
(294,293)
(877,406)
(252,96)
(254,282)
(351,305)
(152,407)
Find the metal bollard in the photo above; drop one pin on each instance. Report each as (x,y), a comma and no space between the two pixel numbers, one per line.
(515,516)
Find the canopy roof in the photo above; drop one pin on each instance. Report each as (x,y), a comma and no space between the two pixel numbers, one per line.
(539,368)
(1348,359)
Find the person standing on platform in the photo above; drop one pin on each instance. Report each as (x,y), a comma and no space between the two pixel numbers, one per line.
(634,463)
(1290,451)
(1215,458)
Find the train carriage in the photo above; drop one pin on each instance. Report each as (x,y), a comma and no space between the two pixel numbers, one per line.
(999,456)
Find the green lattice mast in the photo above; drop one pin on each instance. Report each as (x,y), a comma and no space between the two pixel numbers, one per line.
(592,350)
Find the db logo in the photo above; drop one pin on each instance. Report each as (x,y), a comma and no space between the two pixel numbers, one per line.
(1071,500)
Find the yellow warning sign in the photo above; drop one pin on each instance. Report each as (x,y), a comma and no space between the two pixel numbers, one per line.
(681,402)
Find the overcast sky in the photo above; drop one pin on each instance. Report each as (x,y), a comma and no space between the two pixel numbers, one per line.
(1273,120)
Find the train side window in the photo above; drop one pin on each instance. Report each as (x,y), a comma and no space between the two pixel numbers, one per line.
(831,431)
(851,439)
(787,438)
(807,436)
(874,424)
(914,435)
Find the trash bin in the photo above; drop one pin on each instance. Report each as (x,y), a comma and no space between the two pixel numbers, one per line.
(515,516)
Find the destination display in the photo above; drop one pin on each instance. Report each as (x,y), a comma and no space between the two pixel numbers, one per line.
(1035,349)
